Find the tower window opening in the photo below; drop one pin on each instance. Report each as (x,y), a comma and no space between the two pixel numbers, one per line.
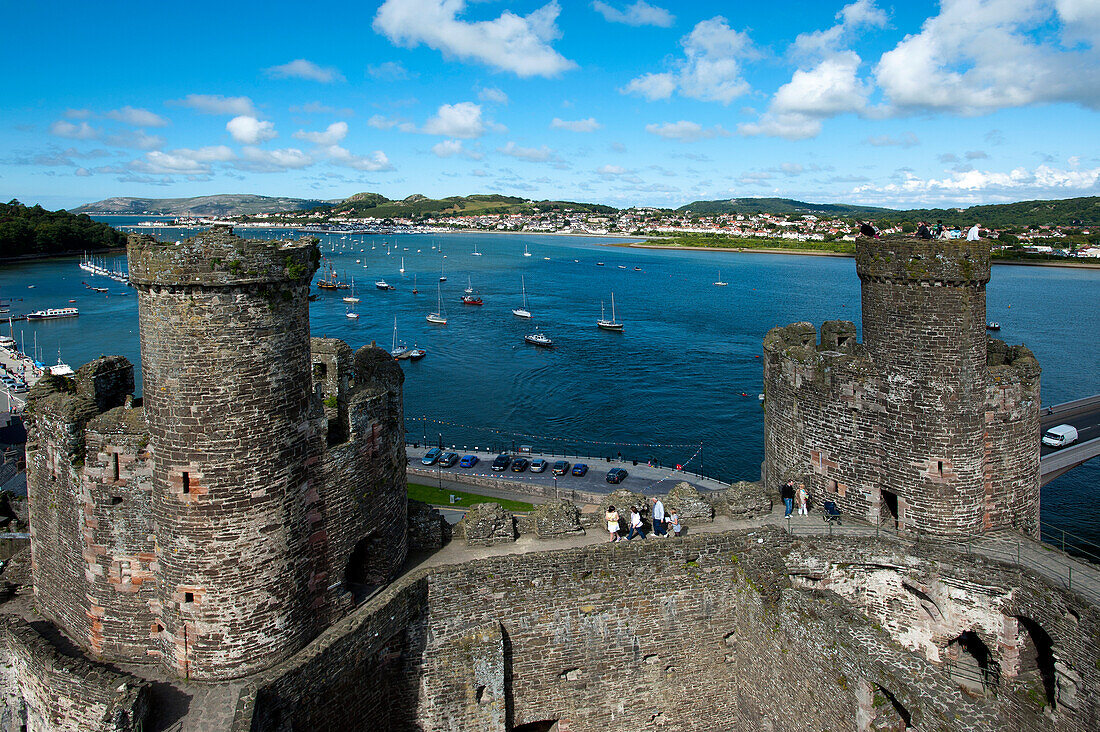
(186,478)
(114,465)
(189,597)
(939,467)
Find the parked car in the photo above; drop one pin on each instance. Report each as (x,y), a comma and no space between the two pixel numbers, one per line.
(432,456)
(468,461)
(520,464)
(580,470)
(538,465)
(561,467)
(502,461)
(448,459)
(616,475)
(1060,436)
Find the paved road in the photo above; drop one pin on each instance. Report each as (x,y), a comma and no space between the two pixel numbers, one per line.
(1085,418)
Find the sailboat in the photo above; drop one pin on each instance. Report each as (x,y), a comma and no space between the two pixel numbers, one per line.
(352,298)
(442,277)
(720,283)
(439,317)
(476,253)
(470,298)
(415,291)
(469,286)
(525,252)
(351,313)
(402,270)
(522,312)
(395,350)
(612,324)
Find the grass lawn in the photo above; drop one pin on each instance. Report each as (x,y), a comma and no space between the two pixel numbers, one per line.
(441,497)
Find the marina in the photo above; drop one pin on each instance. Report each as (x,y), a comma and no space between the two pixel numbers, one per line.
(689,356)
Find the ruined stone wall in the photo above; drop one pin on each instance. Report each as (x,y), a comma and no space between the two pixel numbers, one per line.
(119,543)
(1012,438)
(42,690)
(746,630)
(925,424)
(60,524)
(236,436)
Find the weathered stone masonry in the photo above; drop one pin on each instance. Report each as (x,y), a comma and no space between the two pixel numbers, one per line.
(222,524)
(927,423)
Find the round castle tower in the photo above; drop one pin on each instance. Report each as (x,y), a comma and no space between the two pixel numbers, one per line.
(924,325)
(225,354)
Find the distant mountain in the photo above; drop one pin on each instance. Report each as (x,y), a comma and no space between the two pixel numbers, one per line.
(778,206)
(233,204)
(375,205)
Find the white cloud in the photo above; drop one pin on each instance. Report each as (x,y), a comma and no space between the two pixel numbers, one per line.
(515,43)
(217,104)
(789,126)
(249,130)
(579,125)
(909,139)
(493,95)
(862,13)
(452,148)
(183,161)
(531,154)
(710,70)
(137,117)
(78,113)
(375,162)
(81,131)
(977,57)
(333,134)
(652,86)
(828,89)
(273,161)
(612,171)
(134,138)
(686,131)
(389,71)
(982,186)
(302,69)
(457,120)
(640,13)
(319,108)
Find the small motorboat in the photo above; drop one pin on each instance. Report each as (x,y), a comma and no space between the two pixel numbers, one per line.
(539,339)
(415,354)
(382,285)
(472,300)
(993,325)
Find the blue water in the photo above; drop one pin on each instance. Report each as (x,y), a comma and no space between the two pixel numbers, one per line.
(685,372)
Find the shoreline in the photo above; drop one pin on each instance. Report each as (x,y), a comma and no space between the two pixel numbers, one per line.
(817,253)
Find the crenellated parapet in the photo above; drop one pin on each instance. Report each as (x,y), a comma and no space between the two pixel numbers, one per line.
(927,424)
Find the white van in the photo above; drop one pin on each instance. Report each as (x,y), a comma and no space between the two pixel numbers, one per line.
(1060,436)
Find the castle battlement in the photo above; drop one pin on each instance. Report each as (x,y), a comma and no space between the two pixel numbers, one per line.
(928,424)
(219,258)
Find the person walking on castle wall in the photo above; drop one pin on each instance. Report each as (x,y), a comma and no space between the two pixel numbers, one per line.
(674,522)
(658,517)
(787,494)
(612,518)
(973,233)
(802,498)
(635,524)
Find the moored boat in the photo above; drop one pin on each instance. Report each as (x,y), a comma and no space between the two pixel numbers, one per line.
(50,313)
(606,324)
(539,339)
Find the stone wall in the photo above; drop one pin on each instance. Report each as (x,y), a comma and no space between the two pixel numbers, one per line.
(746,630)
(42,690)
(927,424)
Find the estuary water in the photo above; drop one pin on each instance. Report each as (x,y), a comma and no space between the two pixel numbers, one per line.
(684,374)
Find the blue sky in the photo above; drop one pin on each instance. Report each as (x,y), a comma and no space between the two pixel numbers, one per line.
(618,101)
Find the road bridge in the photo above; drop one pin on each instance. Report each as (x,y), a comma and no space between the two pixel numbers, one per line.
(1084,414)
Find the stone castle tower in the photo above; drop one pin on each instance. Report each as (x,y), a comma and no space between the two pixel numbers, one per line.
(221,524)
(928,423)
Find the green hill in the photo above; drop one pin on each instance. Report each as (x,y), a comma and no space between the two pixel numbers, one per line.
(778,206)
(34,230)
(375,205)
(226,204)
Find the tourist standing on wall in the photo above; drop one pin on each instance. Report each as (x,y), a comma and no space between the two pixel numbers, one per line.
(787,494)
(612,517)
(658,517)
(802,498)
(635,524)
